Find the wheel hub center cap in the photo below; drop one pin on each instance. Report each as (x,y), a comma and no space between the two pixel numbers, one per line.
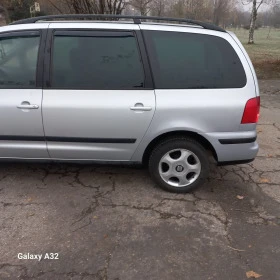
(179,168)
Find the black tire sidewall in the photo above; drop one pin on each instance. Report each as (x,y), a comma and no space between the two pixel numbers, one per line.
(173,144)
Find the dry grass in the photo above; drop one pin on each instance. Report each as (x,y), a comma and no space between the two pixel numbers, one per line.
(265,53)
(269,69)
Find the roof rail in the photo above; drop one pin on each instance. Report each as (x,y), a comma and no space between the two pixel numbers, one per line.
(136,19)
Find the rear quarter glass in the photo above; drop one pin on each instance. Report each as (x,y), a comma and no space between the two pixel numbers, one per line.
(248,60)
(182,60)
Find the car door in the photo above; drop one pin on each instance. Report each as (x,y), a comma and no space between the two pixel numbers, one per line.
(99,100)
(22,134)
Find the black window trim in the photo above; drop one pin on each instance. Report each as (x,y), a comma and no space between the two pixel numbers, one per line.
(148,81)
(42,34)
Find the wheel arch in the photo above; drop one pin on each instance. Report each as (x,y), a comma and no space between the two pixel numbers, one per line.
(199,138)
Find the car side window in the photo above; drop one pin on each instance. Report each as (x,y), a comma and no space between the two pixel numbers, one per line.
(193,61)
(18,61)
(96,60)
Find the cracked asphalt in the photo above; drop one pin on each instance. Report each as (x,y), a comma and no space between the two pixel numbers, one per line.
(112,222)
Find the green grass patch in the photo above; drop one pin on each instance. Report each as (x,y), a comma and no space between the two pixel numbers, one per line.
(265,53)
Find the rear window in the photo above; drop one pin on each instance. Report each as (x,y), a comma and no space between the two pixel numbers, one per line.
(193,61)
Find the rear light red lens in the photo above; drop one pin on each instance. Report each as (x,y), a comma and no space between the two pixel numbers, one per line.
(252,111)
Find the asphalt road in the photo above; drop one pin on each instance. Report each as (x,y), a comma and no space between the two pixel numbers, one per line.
(108,222)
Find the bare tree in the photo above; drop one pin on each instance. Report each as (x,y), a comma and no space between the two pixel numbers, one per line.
(158,7)
(254,13)
(195,8)
(95,6)
(53,6)
(276,16)
(142,6)
(178,9)
(115,6)
(4,5)
(221,9)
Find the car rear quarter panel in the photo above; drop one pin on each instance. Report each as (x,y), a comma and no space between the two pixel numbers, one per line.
(208,112)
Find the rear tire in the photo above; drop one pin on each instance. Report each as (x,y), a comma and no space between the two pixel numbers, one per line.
(179,164)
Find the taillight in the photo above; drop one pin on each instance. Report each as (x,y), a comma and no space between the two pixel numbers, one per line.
(252,111)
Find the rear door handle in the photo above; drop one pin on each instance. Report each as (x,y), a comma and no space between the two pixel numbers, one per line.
(140,107)
(28,106)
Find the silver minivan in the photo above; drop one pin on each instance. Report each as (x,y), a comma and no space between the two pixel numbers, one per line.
(169,96)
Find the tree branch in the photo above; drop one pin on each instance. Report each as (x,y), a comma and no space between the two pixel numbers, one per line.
(261,2)
(59,10)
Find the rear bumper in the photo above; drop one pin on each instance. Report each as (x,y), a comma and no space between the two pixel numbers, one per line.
(223,163)
(234,149)
(237,152)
